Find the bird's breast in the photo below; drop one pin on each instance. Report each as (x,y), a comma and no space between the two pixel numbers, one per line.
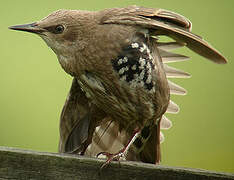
(67,63)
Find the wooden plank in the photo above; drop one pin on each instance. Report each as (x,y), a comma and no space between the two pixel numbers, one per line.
(25,164)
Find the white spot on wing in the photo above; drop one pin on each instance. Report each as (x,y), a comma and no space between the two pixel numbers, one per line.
(143,48)
(152,90)
(149,79)
(123,78)
(142,62)
(125,59)
(120,61)
(134,67)
(137,71)
(121,71)
(147,50)
(135,45)
(150,56)
(149,69)
(142,75)
(133,83)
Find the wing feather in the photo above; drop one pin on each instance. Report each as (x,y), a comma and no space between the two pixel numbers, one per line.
(167,23)
(175,73)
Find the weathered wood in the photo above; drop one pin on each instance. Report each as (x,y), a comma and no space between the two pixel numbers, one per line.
(24,164)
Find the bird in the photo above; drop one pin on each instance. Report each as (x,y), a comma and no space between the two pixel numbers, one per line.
(120,90)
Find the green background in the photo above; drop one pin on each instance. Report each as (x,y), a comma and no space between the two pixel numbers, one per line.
(33,86)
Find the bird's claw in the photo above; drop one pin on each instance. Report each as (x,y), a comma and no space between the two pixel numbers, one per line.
(111,157)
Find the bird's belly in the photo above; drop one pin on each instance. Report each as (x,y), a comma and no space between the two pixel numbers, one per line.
(131,107)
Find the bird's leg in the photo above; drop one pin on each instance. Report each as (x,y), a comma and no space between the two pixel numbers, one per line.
(122,152)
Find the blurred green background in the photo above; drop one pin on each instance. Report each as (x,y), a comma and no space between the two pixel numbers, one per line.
(34,86)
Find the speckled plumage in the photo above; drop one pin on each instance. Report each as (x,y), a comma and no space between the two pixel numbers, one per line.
(135,65)
(120,80)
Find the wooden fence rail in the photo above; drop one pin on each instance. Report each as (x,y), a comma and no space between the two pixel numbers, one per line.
(24,164)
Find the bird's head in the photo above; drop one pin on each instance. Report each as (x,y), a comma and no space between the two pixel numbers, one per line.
(60,30)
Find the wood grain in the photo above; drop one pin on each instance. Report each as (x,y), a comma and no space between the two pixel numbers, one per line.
(25,164)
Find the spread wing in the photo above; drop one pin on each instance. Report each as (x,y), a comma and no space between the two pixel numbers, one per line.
(158,22)
(78,121)
(164,22)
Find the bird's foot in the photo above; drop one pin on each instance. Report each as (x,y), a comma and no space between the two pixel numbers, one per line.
(112,157)
(116,157)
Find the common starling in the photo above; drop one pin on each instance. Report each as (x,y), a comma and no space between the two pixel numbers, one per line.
(120,89)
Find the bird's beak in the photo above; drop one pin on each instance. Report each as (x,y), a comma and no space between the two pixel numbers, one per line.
(33,28)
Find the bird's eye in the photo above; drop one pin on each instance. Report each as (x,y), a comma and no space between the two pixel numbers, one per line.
(59,29)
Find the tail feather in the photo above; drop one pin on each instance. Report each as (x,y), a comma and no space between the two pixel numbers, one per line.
(165,123)
(151,152)
(176,89)
(107,138)
(175,73)
(173,108)
(169,57)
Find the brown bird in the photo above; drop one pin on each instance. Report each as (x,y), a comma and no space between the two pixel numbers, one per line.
(120,91)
